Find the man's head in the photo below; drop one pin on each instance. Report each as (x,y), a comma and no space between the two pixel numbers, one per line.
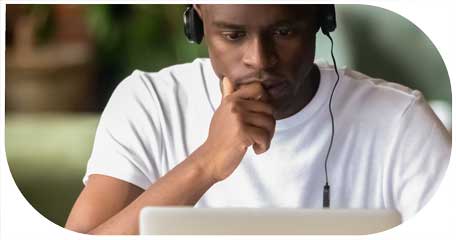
(272,44)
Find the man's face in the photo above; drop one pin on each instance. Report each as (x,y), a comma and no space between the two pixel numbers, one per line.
(272,44)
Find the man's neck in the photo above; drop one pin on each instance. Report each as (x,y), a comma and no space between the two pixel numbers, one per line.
(304,95)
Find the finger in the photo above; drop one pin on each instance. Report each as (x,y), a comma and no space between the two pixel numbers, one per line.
(253,91)
(227,87)
(256,106)
(260,139)
(258,149)
(260,120)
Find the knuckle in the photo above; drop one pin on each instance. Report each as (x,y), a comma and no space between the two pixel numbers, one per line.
(231,105)
(272,123)
(265,136)
(265,107)
(238,118)
(242,129)
(233,108)
(228,99)
(245,142)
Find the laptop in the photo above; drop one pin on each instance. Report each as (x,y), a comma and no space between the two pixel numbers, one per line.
(264,221)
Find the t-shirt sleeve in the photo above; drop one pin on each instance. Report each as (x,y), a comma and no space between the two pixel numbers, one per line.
(127,140)
(420,156)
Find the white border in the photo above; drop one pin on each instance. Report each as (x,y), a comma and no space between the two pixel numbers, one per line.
(18,220)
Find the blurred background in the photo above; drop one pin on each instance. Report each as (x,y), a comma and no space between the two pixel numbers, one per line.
(64,61)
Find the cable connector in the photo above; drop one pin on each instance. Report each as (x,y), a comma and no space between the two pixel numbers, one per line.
(326,198)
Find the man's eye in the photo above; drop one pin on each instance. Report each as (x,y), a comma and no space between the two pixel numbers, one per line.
(233,36)
(283,32)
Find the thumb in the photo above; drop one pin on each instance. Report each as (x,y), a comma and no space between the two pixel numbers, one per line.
(227,87)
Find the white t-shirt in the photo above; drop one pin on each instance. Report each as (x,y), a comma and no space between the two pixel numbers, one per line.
(389,151)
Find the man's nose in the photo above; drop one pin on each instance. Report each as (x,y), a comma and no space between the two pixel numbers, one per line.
(260,54)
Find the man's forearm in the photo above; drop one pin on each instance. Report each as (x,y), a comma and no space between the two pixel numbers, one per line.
(183,185)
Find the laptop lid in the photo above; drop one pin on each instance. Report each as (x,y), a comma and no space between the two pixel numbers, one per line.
(265,221)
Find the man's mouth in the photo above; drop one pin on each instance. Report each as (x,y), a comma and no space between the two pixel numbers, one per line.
(268,86)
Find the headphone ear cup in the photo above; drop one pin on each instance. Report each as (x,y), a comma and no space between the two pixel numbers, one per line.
(193,26)
(327,18)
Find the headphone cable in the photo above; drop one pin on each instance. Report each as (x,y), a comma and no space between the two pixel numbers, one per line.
(326,189)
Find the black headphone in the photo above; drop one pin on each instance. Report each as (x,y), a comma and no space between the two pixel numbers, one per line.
(193,26)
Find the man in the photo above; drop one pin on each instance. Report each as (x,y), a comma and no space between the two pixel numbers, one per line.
(250,128)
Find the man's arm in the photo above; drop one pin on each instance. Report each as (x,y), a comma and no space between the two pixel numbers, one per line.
(420,156)
(102,198)
(110,206)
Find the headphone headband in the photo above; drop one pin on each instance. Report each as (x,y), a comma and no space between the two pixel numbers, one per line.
(193,25)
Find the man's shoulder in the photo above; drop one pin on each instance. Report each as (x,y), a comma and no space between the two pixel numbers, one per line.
(354,83)
(379,84)
(379,91)
(370,97)
(177,85)
(167,80)
(174,72)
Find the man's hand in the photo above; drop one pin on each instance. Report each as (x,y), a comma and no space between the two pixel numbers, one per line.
(244,118)
(111,206)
